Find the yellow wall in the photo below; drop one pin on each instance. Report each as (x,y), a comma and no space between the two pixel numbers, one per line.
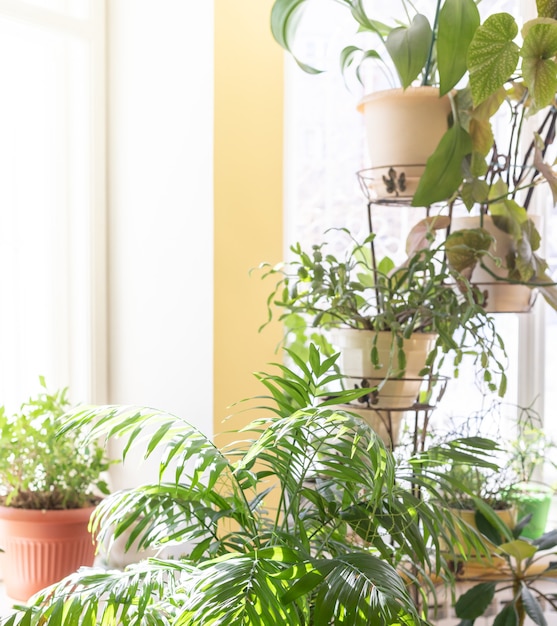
(248,197)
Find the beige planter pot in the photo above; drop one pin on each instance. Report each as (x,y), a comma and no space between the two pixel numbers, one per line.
(396,390)
(507,516)
(42,547)
(403,128)
(500,297)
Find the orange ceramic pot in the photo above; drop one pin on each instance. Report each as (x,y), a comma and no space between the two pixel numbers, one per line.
(42,547)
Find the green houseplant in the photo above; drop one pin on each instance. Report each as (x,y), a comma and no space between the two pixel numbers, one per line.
(469,163)
(49,486)
(526,454)
(527,563)
(390,307)
(345,537)
(405,124)
(465,161)
(479,495)
(428,48)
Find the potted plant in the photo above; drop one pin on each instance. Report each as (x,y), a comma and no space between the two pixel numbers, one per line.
(516,80)
(527,563)
(340,545)
(404,124)
(391,324)
(526,455)
(480,495)
(49,488)
(460,158)
(498,191)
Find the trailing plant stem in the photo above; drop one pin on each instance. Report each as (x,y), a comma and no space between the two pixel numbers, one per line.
(427,70)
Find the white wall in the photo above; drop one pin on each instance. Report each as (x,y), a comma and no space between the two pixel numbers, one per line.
(160,264)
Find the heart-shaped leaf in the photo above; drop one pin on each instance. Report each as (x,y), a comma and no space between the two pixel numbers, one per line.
(492,55)
(409,47)
(538,67)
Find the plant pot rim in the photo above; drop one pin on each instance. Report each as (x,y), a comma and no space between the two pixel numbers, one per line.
(416,333)
(500,506)
(425,91)
(37,515)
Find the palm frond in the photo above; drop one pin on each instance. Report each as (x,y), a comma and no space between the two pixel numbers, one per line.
(164,514)
(242,589)
(200,472)
(144,594)
(361,589)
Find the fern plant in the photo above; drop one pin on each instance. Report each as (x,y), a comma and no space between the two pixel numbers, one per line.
(339,542)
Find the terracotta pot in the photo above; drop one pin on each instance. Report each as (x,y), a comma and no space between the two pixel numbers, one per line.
(500,297)
(42,547)
(403,128)
(396,390)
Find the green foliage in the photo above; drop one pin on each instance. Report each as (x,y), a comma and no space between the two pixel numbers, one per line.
(444,168)
(418,296)
(432,49)
(343,536)
(493,190)
(38,469)
(492,56)
(501,69)
(466,247)
(522,572)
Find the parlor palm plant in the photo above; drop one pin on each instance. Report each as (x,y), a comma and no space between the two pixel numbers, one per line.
(346,537)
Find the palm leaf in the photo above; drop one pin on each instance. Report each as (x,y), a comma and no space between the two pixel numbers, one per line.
(240,589)
(143,594)
(361,589)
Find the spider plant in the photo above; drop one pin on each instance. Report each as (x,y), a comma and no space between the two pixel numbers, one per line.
(339,544)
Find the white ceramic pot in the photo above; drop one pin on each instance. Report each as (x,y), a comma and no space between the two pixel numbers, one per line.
(403,128)
(500,297)
(396,390)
